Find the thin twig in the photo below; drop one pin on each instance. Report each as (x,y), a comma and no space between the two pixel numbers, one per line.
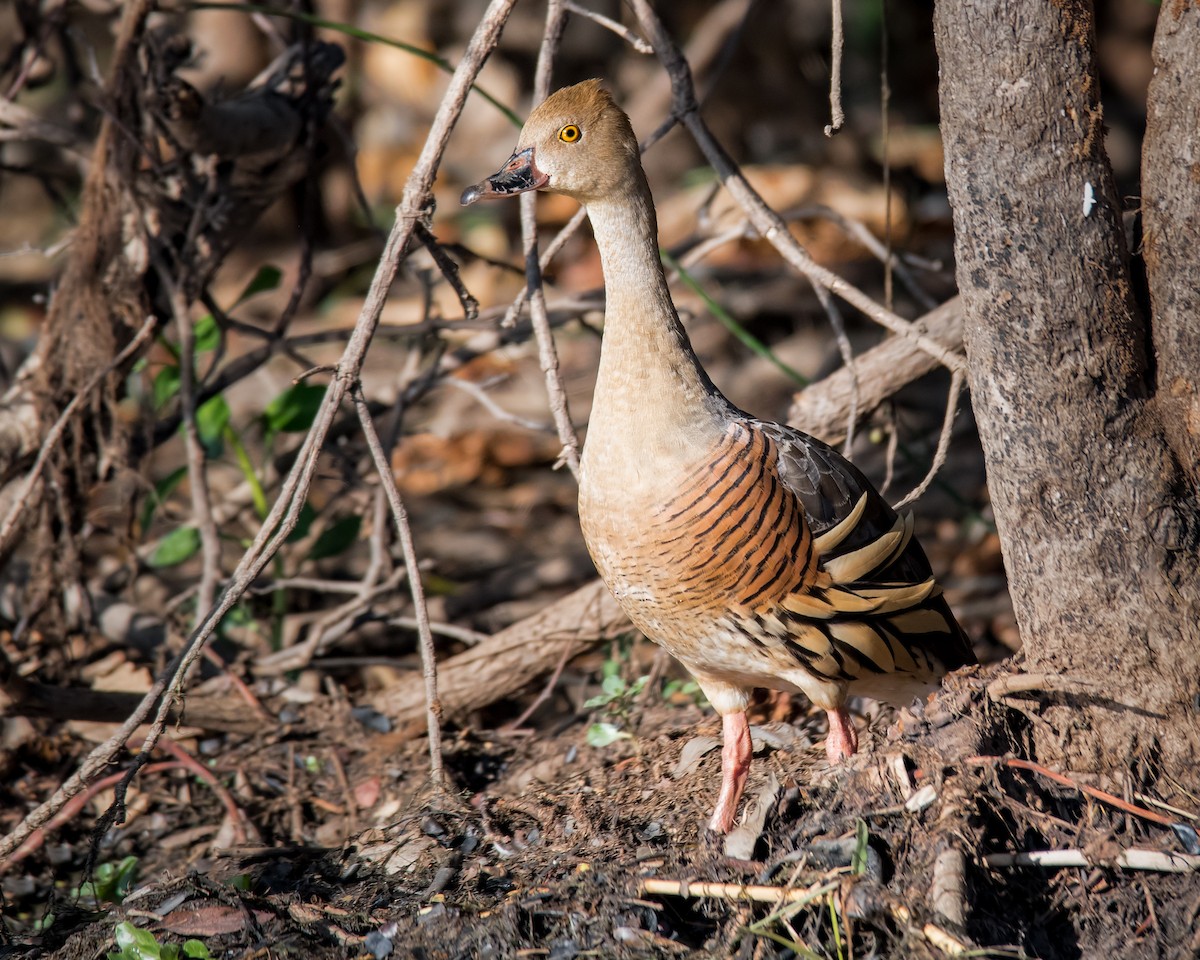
(1016,763)
(688,889)
(433,709)
(943,444)
(543,695)
(1160,861)
(547,354)
(329,626)
(837,44)
(766,221)
(8,528)
(467,636)
(860,232)
(210,540)
(622,31)
(497,411)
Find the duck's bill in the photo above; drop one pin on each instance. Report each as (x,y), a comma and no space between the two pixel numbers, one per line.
(519,175)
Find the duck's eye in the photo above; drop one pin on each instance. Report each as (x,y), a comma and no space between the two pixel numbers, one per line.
(569,134)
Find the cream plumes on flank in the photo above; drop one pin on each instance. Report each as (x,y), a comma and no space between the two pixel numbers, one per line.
(757,555)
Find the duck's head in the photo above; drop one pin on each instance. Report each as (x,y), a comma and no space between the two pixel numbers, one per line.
(577,142)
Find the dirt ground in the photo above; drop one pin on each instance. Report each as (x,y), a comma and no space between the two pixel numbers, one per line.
(543,846)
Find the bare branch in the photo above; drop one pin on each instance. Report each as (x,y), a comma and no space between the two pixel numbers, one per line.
(943,445)
(433,709)
(837,44)
(766,221)
(622,31)
(547,354)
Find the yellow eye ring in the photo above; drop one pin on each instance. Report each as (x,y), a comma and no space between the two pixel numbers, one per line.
(569,134)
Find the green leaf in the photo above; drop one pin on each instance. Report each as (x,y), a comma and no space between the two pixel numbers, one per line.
(858,861)
(267,278)
(726,319)
(177,546)
(604,734)
(613,684)
(337,538)
(212,417)
(158,496)
(137,943)
(600,700)
(196,949)
(206,335)
(166,386)
(294,410)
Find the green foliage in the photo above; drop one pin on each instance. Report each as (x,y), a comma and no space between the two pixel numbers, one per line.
(727,320)
(817,896)
(212,417)
(684,688)
(336,538)
(617,698)
(137,944)
(294,410)
(858,862)
(111,881)
(266,279)
(179,545)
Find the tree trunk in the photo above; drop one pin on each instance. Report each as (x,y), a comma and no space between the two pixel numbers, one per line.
(1094,498)
(1171,223)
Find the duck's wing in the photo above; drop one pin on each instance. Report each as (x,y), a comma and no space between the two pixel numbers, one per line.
(881,579)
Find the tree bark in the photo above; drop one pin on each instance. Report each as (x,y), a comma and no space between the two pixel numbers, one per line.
(1171,223)
(1097,516)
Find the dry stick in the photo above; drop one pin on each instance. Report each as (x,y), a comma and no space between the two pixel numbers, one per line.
(860,232)
(9,526)
(1016,763)
(286,510)
(837,45)
(473,389)
(210,540)
(542,697)
(766,221)
(943,444)
(1161,861)
(433,708)
(622,31)
(759,893)
(547,354)
(329,626)
(37,837)
(882,371)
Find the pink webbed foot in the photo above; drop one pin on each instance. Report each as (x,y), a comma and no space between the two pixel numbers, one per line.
(842,741)
(735,765)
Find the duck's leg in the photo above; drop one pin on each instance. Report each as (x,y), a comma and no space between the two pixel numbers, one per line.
(735,765)
(843,738)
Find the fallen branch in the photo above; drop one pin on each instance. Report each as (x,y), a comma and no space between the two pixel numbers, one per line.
(514,657)
(822,409)
(757,893)
(1159,861)
(22,698)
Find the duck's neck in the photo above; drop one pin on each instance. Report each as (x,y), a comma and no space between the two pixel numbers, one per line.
(650,387)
